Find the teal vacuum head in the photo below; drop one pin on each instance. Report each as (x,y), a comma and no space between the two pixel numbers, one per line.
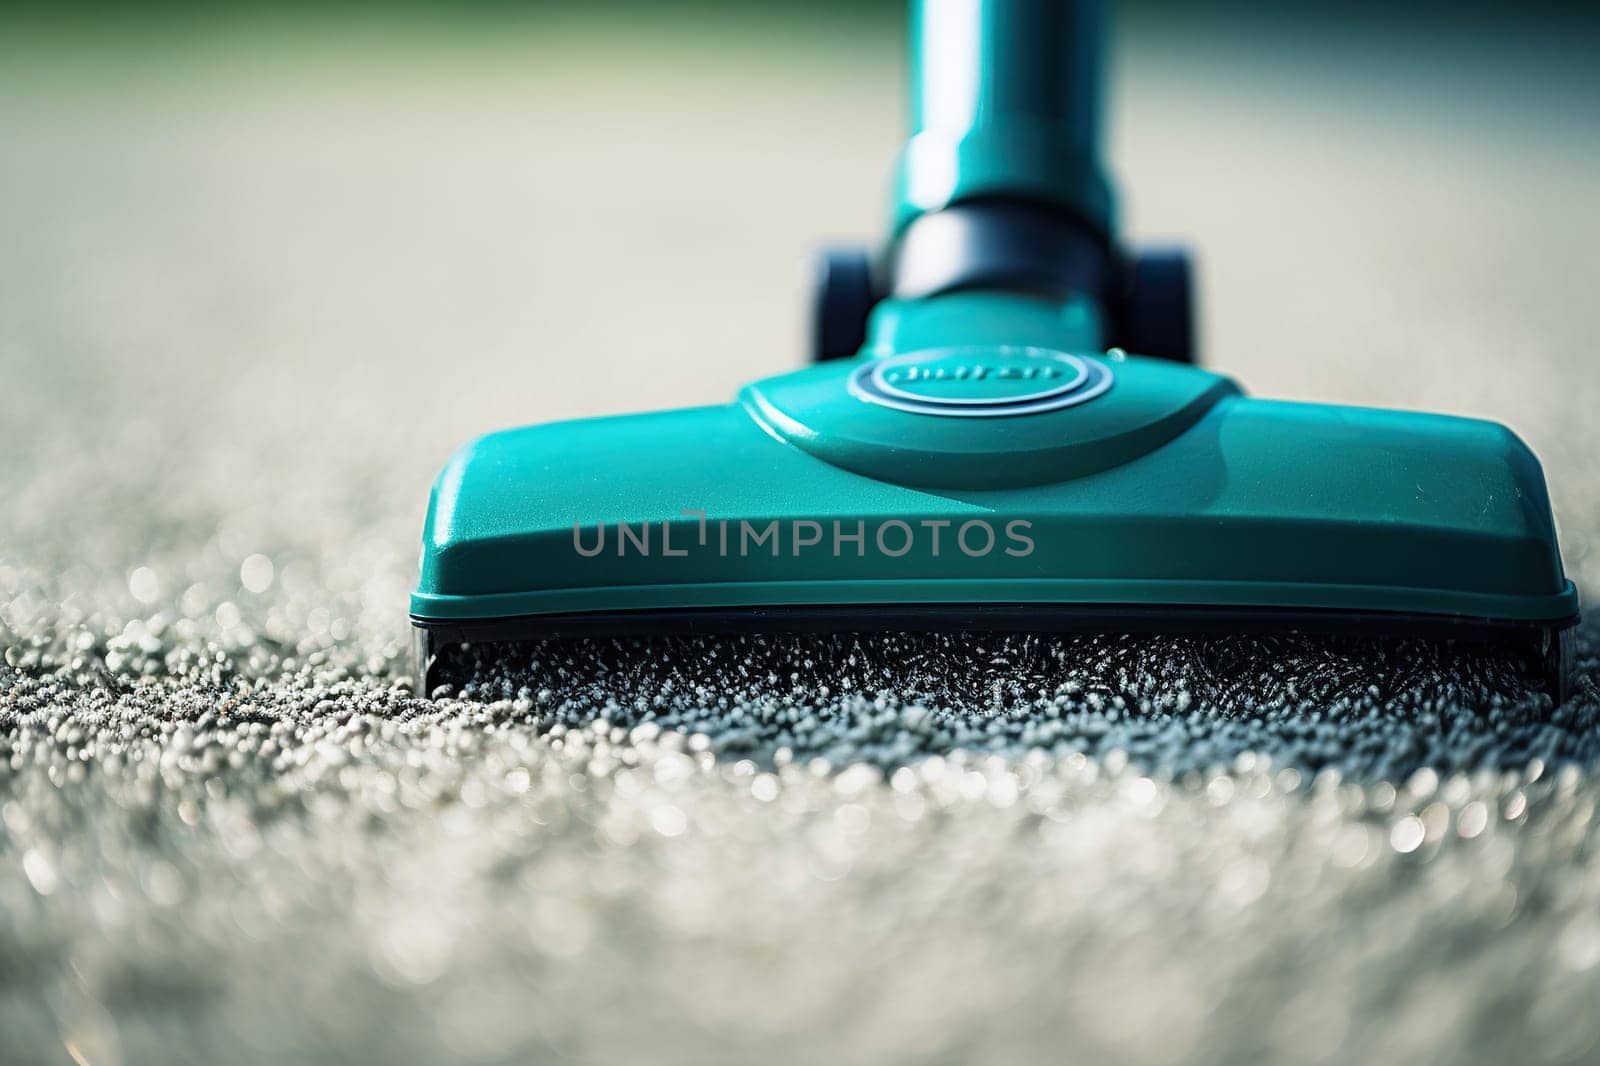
(1003,428)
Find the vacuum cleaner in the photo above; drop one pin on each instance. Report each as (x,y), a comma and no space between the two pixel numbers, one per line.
(1002,428)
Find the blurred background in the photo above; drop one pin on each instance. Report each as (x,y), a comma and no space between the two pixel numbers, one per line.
(289,256)
(263,267)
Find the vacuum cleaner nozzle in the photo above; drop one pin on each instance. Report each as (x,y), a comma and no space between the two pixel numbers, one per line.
(982,457)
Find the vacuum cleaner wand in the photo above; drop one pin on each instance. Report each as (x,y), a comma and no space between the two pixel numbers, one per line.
(1000,185)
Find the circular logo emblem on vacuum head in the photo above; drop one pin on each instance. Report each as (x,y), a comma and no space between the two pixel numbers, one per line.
(980,382)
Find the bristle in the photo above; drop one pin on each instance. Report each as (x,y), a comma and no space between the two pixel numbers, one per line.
(1365,707)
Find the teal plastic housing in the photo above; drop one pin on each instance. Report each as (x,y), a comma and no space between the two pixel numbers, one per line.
(1171,488)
